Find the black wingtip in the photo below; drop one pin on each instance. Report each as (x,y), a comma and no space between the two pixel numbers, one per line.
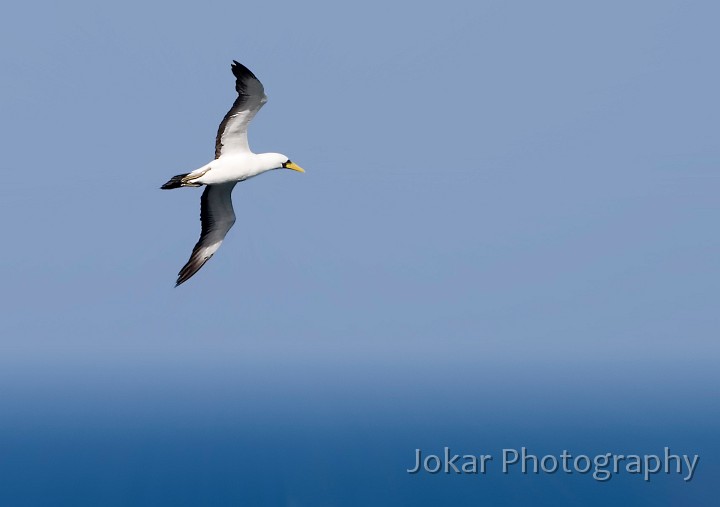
(192,266)
(240,71)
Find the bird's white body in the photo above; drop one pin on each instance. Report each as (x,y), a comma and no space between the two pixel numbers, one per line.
(234,167)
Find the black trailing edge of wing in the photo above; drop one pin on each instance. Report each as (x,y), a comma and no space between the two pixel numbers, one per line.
(196,260)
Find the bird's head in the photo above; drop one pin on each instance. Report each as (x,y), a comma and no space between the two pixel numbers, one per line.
(278,161)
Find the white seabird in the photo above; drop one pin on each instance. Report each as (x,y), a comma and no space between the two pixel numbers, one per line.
(233,162)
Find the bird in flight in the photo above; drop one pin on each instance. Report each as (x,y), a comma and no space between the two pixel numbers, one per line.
(233,162)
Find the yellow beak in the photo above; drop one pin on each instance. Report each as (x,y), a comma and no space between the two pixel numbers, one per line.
(294,167)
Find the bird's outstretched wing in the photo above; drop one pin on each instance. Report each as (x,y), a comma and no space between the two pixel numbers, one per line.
(232,133)
(217,217)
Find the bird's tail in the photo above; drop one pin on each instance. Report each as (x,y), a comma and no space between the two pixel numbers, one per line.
(175,182)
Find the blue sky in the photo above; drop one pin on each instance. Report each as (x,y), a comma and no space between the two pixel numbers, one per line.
(506,235)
